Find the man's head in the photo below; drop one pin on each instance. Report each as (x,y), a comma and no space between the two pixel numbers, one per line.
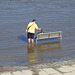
(33,20)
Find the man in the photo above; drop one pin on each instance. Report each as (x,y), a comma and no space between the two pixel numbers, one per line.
(31,31)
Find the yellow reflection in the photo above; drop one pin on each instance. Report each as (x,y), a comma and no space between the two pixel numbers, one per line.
(31,53)
(48,47)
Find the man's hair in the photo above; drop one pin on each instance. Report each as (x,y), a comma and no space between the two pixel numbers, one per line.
(33,20)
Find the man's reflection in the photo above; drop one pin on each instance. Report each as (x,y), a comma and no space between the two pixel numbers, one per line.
(43,50)
(31,53)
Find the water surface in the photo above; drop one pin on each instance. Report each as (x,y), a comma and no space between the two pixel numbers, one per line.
(51,15)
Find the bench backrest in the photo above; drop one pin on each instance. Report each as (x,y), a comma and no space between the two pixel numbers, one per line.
(49,35)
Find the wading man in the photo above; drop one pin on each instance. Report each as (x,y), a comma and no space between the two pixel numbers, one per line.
(30,29)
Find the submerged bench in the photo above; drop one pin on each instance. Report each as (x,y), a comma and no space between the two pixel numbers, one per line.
(51,35)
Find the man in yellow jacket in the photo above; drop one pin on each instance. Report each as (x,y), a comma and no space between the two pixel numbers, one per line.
(30,29)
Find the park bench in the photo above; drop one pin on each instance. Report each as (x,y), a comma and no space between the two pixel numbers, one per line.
(51,35)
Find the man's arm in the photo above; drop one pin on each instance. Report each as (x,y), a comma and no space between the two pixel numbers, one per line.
(26,28)
(38,28)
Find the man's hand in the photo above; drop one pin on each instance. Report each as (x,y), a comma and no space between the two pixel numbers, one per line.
(26,30)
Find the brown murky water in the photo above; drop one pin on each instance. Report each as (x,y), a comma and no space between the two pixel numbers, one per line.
(51,15)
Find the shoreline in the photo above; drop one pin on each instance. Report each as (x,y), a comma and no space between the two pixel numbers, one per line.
(33,66)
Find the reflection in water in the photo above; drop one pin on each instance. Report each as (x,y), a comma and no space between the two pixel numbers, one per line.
(48,47)
(31,53)
(43,51)
(47,52)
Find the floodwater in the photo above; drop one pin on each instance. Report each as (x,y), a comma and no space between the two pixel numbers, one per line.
(51,15)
